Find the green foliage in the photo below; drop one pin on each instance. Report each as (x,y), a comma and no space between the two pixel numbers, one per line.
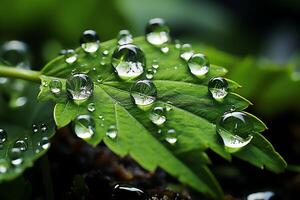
(194,115)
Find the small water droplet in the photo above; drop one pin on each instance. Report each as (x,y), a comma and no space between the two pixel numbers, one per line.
(70,56)
(91,107)
(177,44)
(168,106)
(124,37)
(157,115)
(128,61)
(143,93)
(235,130)
(128,192)
(84,126)
(165,49)
(186,52)
(218,88)
(44,128)
(35,128)
(3,167)
(171,136)
(112,132)
(44,143)
(79,86)
(89,41)
(155,64)
(44,83)
(157,32)
(15,156)
(261,196)
(15,53)
(3,136)
(150,74)
(21,144)
(55,86)
(199,65)
(105,53)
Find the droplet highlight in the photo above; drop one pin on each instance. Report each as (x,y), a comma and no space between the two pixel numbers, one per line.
(124,37)
(199,65)
(84,126)
(143,93)
(171,136)
(79,87)
(158,115)
(70,56)
(218,88)
(112,132)
(3,136)
(157,32)
(89,41)
(186,52)
(55,86)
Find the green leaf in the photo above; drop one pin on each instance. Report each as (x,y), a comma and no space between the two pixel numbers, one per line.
(17,122)
(194,114)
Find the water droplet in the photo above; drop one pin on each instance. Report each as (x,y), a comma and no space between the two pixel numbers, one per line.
(91,107)
(70,56)
(18,102)
(35,128)
(129,61)
(15,53)
(261,196)
(112,132)
(168,106)
(3,136)
(80,87)
(128,192)
(199,65)
(124,37)
(157,32)
(177,44)
(143,93)
(3,167)
(164,49)
(44,143)
(89,41)
(44,128)
(171,136)
(157,115)
(20,144)
(235,130)
(84,126)
(155,64)
(105,53)
(15,156)
(150,74)
(44,83)
(218,88)
(55,86)
(186,52)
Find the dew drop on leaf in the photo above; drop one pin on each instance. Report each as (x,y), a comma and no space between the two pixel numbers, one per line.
(150,74)
(128,61)
(91,107)
(105,53)
(235,129)
(157,115)
(186,52)
(3,136)
(199,65)
(124,37)
(44,143)
(15,156)
(70,56)
(164,49)
(157,32)
(143,93)
(20,144)
(35,128)
(155,64)
(112,132)
(84,126)
(44,128)
(15,53)
(171,136)
(218,88)
(89,41)
(79,86)
(55,86)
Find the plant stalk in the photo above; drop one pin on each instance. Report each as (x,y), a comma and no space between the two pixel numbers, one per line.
(24,74)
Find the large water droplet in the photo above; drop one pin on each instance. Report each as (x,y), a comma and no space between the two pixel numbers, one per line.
(157,32)
(15,53)
(55,86)
(3,136)
(127,192)
(171,136)
(21,144)
(186,52)
(157,115)
(235,130)
(143,93)
(80,87)
(199,65)
(112,132)
(15,156)
(84,126)
(89,41)
(70,56)
(218,88)
(91,107)
(124,37)
(129,61)
(44,143)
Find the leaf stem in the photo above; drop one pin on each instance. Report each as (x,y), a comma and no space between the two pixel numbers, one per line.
(24,74)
